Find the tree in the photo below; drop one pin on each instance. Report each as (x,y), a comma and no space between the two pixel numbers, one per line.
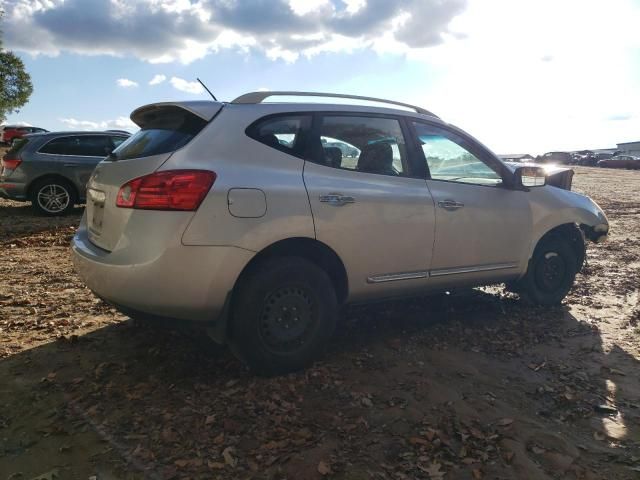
(15,83)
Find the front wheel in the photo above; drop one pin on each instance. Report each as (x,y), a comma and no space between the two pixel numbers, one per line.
(551,273)
(284,313)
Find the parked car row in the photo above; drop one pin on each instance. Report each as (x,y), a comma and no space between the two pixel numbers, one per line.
(588,158)
(12,133)
(51,170)
(621,161)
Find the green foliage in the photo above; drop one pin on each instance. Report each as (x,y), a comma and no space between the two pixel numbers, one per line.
(15,84)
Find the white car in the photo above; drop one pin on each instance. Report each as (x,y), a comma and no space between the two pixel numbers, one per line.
(248,218)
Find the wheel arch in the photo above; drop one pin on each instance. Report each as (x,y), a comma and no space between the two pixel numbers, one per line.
(310,249)
(571,232)
(47,176)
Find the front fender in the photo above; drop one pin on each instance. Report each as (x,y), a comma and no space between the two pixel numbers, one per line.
(552,207)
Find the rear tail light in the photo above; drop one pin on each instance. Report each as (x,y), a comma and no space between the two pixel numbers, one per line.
(168,190)
(11,163)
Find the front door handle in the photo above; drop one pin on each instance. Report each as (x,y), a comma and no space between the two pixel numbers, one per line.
(336,199)
(450,205)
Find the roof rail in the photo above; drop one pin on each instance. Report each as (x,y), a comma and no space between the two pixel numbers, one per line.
(258,97)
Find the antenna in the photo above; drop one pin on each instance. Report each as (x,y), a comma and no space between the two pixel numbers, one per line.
(205,87)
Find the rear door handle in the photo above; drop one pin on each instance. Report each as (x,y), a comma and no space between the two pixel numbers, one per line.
(450,204)
(336,199)
(71,164)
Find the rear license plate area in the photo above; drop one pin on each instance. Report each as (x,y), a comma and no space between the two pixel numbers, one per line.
(96,199)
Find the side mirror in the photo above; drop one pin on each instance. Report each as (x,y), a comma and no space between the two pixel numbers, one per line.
(528,177)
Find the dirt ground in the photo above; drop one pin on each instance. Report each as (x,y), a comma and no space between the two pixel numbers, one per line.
(466,386)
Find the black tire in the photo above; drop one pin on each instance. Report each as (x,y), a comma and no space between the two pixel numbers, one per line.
(551,273)
(283,314)
(53,196)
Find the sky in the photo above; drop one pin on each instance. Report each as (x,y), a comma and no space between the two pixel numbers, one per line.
(522,76)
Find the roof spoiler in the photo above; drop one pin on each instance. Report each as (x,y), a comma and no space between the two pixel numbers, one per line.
(206,110)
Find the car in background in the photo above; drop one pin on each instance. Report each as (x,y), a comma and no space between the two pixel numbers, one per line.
(6,127)
(621,161)
(554,157)
(52,169)
(14,133)
(585,158)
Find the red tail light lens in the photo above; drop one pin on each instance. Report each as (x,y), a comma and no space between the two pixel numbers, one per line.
(11,163)
(168,190)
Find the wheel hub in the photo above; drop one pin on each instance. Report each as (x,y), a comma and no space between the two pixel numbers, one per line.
(287,316)
(551,272)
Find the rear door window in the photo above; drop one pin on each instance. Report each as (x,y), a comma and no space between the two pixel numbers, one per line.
(57,146)
(364,144)
(286,133)
(169,130)
(90,146)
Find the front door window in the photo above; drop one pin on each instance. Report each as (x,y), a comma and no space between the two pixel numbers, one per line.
(449,161)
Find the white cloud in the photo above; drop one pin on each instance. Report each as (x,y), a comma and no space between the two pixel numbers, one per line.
(121,123)
(163,31)
(531,75)
(303,7)
(186,86)
(354,5)
(126,83)
(496,84)
(20,123)
(157,79)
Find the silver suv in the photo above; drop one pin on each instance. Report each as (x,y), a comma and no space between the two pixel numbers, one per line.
(52,169)
(260,219)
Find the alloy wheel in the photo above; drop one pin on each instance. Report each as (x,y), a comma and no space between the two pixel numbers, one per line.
(53,198)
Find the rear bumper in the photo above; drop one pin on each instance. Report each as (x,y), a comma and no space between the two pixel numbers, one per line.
(13,191)
(181,282)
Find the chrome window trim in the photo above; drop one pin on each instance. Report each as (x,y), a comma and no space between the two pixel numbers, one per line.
(64,155)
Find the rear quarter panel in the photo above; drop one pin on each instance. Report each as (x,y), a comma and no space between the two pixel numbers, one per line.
(243,163)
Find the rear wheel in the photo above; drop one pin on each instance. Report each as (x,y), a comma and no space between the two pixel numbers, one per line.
(284,313)
(551,273)
(53,196)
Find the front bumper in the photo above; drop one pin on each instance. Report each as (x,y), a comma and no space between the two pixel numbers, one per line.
(180,282)
(597,233)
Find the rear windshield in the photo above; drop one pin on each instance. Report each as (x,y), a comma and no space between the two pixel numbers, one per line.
(164,132)
(17,145)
